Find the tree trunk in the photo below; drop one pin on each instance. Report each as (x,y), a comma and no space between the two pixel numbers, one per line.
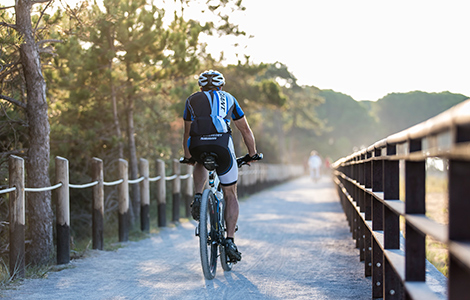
(116,118)
(133,165)
(113,97)
(39,208)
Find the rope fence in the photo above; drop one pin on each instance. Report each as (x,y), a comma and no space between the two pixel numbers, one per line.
(256,178)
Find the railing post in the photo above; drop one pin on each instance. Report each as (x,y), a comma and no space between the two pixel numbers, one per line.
(161,193)
(144,196)
(63,211)
(17,217)
(391,223)
(98,204)
(187,190)
(123,191)
(176,190)
(459,224)
(378,173)
(415,189)
(367,216)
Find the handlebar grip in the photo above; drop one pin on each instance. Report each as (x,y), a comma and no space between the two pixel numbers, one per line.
(184,160)
(244,160)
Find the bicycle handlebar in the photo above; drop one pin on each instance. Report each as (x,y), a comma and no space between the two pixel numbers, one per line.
(245,160)
(242,160)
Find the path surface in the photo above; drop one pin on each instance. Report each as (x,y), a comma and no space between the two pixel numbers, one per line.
(294,239)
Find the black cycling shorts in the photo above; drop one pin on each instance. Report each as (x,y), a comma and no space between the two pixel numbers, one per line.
(222,145)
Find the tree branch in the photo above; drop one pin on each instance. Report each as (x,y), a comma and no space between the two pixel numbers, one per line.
(6,7)
(49,41)
(6,72)
(8,25)
(40,1)
(13,101)
(42,13)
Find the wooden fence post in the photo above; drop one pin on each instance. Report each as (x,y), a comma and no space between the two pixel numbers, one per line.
(161,193)
(123,191)
(144,196)
(63,210)
(188,190)
(176,190)
(98,204)
(17,217)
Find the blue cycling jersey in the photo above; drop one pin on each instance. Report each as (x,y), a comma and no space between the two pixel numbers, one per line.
(210,112)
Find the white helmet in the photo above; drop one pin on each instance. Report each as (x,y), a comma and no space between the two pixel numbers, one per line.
(211,79)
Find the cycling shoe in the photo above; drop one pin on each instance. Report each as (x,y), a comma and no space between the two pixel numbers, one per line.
(232,251)
(196,207)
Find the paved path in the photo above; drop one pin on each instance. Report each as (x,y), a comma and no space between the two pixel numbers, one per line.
(294,239)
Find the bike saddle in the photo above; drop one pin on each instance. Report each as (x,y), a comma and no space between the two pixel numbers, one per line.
(209,160)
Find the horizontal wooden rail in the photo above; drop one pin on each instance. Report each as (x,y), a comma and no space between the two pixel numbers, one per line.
(368,182)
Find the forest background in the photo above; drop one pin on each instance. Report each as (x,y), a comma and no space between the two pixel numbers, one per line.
(116,77)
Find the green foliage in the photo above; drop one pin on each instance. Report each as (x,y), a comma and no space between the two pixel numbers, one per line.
(351,125)
(398,111)
(271,93)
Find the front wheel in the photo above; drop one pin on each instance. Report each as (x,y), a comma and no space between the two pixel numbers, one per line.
(207,234)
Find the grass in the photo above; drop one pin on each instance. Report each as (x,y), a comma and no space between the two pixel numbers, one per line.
(437,210)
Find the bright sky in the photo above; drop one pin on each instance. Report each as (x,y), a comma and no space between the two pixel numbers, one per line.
(364,48)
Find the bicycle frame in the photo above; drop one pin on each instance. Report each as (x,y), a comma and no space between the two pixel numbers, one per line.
(214,184)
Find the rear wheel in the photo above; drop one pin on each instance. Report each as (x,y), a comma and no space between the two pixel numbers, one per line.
(207,234)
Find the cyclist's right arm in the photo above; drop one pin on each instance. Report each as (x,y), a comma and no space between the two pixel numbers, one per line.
(187,127)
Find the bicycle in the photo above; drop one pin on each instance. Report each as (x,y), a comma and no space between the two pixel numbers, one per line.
(211,228)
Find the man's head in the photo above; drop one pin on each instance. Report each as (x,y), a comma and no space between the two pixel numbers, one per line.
(211,80)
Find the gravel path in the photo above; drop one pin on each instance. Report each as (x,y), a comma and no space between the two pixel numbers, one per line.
(295,243)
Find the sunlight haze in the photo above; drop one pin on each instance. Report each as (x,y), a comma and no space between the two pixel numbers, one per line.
(365,49)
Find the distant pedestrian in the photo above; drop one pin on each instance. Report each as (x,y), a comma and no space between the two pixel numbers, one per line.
(314,163)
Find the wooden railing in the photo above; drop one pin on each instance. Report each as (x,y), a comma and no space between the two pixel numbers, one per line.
(368,183)
(250,180)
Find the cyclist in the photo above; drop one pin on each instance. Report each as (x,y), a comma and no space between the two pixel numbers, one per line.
(207,130)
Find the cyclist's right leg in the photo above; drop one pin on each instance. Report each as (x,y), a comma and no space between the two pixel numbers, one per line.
(200,178)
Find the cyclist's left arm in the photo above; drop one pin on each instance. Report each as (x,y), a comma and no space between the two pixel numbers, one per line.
(248,137)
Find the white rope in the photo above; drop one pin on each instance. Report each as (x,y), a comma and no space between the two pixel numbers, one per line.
(185,176)
(136,180)
(7,190)
(113,182)
(82,186)
(171,177)
(155,178)
(43,189)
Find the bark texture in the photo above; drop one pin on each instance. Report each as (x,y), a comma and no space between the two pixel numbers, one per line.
(39,208)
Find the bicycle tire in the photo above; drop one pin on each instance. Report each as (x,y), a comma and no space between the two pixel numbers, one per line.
(224,262)
(207,243)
